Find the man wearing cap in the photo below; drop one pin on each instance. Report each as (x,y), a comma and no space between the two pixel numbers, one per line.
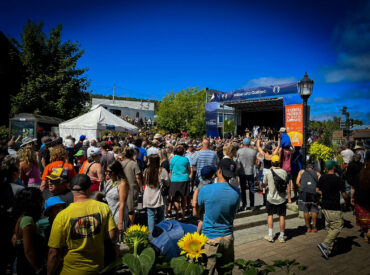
(220,202)
(58,182)
(81,160)
(276,201)
(80,231)
(154,150)
(246,159)
(330,186)
(79,144)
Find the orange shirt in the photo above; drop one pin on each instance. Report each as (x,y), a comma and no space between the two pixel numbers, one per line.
(58,164)
(82,167)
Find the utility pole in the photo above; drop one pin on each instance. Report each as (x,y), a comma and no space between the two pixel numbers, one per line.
(347,122)
(114,90)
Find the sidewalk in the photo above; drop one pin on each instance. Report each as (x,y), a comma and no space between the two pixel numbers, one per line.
(352,255)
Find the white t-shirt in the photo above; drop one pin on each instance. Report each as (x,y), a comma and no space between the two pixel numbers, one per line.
(273,196)
(347,155)
(152,151)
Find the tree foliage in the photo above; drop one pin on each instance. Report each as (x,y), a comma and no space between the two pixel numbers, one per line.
(183,110)
(229,126)
(325,129)
(51,82)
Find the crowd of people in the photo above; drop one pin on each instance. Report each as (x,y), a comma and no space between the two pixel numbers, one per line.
(68,202)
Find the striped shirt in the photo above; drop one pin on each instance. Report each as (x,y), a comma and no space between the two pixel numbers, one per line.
(204,158)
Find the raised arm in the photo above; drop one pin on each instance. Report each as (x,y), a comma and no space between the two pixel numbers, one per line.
(259,146)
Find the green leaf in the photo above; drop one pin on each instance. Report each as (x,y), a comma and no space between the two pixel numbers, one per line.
(194,269)
(251,271)
(114,264)
(279,263)
(269,268)
(302,267)
(133,263)
(146,259)
(216,255)
(181,266)
(241,263)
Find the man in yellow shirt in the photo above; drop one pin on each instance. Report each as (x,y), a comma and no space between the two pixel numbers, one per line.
(79,231)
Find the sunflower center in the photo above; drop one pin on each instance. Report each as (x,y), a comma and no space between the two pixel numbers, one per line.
(194,246)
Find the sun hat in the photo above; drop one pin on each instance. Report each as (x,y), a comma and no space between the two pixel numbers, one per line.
(80,182)
(52,201)
(358,147)
(275,159)
(208,171)
(58,173)
(246,141)
(228,167)
(27,140)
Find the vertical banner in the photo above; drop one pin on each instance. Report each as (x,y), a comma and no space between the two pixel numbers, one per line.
(211,119)
(294,123)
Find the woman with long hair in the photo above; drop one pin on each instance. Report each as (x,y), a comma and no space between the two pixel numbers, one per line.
(30,247)
(154,177)
(29,171)
(116,192)
(180,175)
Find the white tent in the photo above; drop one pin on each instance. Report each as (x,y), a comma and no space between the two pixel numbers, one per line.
(92,123)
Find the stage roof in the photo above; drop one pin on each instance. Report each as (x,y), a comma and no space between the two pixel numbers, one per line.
(263,104)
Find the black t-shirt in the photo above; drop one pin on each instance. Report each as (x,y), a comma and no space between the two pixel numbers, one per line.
(44,153)
(331,185)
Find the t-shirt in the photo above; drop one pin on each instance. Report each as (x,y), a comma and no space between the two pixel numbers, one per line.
(347,155)
(58,164)
(131,169)
(220,202)
(273,196)
(246,159)
(44,153)
(152,197)
(140,157)
(179,166)
(330,185)
(81,171)
(81,228)
(106,160)
(204,158)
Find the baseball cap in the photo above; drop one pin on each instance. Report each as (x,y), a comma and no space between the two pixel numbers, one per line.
(275,159)
(58,173)
(79,153)
(282,130)
(208,171)
(82,137)
(93,150)
(50,202)
(80,182)
(330,164)
(228,167)
(246,141)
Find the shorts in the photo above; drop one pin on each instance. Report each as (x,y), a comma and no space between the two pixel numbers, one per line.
(132,198)
(279,209)
(308,207)
(179,188)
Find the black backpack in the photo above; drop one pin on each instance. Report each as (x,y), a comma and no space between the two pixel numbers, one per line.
(280,184)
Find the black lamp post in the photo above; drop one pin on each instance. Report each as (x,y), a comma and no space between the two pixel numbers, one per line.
(305,91)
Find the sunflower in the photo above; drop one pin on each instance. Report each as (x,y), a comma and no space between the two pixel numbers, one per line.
(191,245)
(137,228)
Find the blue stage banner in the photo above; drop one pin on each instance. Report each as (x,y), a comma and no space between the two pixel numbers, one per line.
(211,119)
(258,92)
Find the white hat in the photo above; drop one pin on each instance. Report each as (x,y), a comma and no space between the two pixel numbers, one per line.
(27,140)
(93,150)
(68,143)
(157,136)
(282,130)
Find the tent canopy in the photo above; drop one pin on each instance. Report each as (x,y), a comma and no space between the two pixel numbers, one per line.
(92,123)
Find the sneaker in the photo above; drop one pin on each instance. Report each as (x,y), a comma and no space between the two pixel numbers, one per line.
(324,250)
(242,208)
(309,229)
(269,238)
(314,229)
(281,239)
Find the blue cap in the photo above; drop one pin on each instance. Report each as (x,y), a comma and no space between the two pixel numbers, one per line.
(246,141)
(82,137)
(208,171)
(50,202)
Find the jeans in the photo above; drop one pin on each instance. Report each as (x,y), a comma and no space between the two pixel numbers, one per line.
(243,186)
(152,213)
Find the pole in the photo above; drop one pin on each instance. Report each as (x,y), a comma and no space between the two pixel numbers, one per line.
(223,121)
(304,145)
(114,90)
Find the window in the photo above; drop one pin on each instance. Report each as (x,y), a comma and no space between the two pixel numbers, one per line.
(220,118)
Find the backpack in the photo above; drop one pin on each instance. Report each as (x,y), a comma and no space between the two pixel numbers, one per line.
(280,184)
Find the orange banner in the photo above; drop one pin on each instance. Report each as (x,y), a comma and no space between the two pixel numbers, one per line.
(294,123)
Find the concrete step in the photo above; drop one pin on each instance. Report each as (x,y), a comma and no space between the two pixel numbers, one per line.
(249,219)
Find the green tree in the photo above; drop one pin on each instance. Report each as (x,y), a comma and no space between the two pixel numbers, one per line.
(325,129)
(51,82)
(183,110)
(229,126)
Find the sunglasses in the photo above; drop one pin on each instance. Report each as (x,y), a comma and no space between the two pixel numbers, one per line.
(54,181)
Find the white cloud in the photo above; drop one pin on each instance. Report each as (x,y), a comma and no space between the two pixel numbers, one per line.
(266,81)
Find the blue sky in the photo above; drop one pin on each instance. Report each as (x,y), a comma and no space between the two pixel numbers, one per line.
(149,48)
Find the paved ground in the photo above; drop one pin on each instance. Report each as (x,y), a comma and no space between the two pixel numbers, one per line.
(351,256)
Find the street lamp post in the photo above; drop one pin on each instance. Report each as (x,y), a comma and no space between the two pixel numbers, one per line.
(305,87)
